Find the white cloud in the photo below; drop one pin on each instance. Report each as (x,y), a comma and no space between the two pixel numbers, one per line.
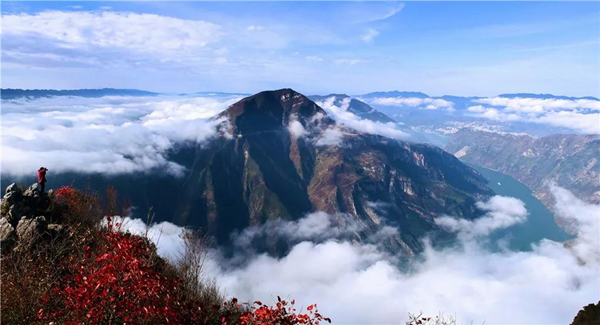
(493,114)
(360,12)
(427,103)
(296,128)
(103,135)
(165,235)
(537,105)
(342,115)
(579,115)
(316,227)
(502,212)
(255,28)
(476,108)
(360,284)
(586,219)
(586,123)
(80,29)
(370,35)
(221,51)
(331,137)
(350,61)
(314,58)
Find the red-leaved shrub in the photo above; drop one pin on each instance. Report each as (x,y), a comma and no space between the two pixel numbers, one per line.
(65,194)
(118,283)
(283,313)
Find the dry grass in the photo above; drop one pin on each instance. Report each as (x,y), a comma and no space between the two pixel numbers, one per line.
(420,319)
(191,269)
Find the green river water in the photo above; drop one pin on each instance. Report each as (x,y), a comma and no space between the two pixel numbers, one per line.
(540,222)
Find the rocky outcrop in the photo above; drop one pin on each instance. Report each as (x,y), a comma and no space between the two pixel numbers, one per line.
(7,235)
(29,229)
(22,222)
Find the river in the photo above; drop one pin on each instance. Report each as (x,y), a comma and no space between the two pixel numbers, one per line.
(540,222)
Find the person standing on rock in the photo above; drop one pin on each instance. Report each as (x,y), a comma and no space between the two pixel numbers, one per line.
(42,178)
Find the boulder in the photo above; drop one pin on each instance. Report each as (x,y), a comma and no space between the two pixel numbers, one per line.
(12,194)
(16,212)
(31,229)
(32,190)
(11,197)
(7,235)
(13,188)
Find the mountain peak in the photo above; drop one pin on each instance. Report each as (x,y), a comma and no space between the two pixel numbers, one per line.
(273,109)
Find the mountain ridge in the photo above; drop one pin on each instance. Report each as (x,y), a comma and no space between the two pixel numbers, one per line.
(13,93)
(567,160)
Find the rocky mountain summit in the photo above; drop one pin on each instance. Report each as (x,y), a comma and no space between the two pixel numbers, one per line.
(23,218)
(281,156)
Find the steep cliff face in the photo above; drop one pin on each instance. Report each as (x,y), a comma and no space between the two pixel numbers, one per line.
(569,161)
(280,156)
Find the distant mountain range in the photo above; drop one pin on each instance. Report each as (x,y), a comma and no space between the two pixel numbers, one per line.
(570,161)
(395,93)
(10,93)
(92,93)
(413,94)
(544,96)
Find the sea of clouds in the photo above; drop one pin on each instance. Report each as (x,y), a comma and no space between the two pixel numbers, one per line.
(103,135)
(363,284)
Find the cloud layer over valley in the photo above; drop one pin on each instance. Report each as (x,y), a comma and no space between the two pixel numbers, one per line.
(361,284)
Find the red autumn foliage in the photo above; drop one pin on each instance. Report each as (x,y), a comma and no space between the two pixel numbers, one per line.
(283,313)
(118,283)
(115,278)
(64,194)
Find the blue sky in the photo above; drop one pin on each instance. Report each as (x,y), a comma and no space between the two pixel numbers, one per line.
(468,48)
